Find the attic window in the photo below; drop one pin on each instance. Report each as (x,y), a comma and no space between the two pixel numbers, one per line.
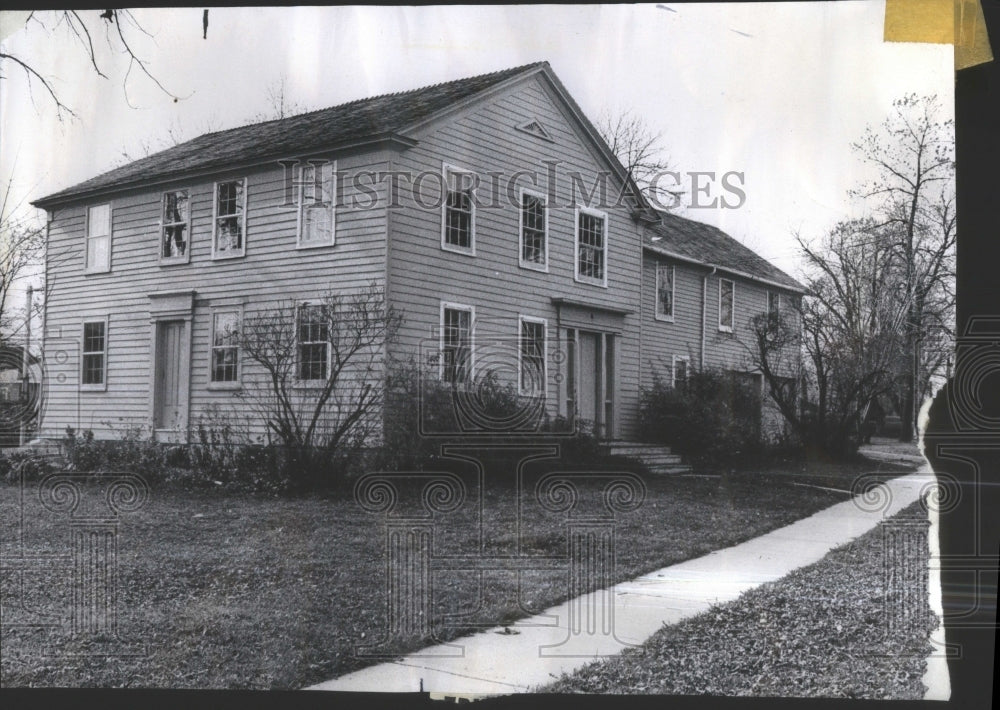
(536,129)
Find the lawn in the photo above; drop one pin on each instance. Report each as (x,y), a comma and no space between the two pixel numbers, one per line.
(819,632)
(219,590)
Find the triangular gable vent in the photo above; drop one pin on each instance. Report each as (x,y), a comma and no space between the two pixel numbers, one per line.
(535,128)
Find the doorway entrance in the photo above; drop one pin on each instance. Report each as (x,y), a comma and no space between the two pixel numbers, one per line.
(169,407)
(590,394)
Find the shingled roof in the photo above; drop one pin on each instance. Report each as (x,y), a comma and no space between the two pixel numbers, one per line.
(705,244)
(296,135)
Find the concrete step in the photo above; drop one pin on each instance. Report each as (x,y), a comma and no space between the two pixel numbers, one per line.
(675,470)
(629,449)
(655,458)
(658,459)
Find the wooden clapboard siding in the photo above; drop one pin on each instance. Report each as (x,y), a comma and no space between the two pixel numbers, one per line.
(397,246)
(729,350)
(663,340)
(483,139)
(273,271)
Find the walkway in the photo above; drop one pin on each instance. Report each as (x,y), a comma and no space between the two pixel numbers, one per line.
(541,647)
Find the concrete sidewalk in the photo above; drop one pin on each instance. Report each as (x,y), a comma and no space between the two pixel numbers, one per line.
(543,647)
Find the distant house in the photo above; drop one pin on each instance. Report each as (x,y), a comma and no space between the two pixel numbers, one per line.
(161,258)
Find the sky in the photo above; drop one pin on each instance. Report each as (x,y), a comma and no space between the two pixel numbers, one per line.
(776,91)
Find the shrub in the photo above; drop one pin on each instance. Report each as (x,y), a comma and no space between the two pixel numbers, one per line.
(715,416)
(423,415)
(83,453)
(220,451)
(32,465)
(132,449)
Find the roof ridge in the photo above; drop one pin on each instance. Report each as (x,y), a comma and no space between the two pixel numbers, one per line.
(511,70)
(204,149)
(747,260)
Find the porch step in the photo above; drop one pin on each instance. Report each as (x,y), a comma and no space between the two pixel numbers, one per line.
(658,459)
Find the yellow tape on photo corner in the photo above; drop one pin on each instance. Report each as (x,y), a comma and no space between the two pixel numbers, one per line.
(957,22)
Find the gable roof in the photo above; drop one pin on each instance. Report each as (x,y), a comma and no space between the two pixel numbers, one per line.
(352,122)
(702,243)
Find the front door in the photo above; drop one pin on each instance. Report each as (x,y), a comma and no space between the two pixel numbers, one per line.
(167,400)
(594,381)
(589,380)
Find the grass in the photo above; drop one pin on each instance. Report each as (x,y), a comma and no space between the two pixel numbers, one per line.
(235,591)
(894,446)
(819,632)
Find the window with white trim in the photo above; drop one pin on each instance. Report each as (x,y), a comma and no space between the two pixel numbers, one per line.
(94,363)
(534,231)
(773,303)
(317,197)
(175,226)
(591,246)
(312,342)
(458,228)
(225,346)
(531,356)
(98,257)
(665,292)
(456,343)
(726,305)
(229,227)
(680,374)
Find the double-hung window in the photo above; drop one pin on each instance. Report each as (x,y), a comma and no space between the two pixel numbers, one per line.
(773,303)
(591,246)
(726,305)
(225,347)
(664,292)
(317,197)
(534,231)
(456,343)
(680,375)
(458,223)
(313,342)
(98,259)
(94,363)
(229,227)
(531,356)
(175,227)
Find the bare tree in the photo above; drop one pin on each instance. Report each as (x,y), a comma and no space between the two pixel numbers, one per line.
(22,249)
(119,28)
(279,106)
(913,192)
(315,374)
(175,134)
(641,153)
(279,103)
(852,322)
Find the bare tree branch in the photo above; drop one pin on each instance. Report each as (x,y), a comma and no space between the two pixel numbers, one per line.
(80,25)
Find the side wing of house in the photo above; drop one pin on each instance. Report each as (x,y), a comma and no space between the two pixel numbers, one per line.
(146,285)
(694,317)
(534,263)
